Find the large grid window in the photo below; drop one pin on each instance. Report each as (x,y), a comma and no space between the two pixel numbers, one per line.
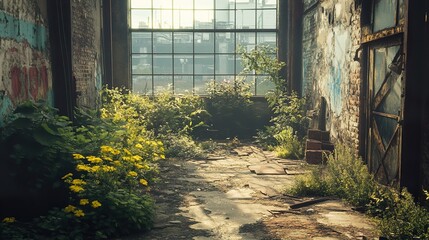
(183,44)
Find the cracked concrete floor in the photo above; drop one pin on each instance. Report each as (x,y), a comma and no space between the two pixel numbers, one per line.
(220,198)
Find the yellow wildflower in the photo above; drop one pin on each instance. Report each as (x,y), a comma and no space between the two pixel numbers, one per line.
(108,159)
(9,220)
(138,166)
(95,204)
(67,176)
(93,159)
(106,149)
(78,156)
(132,174)
(162,156)
(117,163)
(139,146)
(126,151)
(81,167)
(69,208)
(76,188)
(79,213)
(143,182)
(128,159)
(95,169)
(159,143)
(78,182)
(84,202)
(116,152)
(136,158)
(108,169)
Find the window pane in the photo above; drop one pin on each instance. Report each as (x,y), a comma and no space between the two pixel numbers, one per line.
(141,64)
(245,4)
(204,19)
(162,83)
(183,64)
(141,3)
(183,19)
(141,42)
(162,63)
(204,64)
(238,65)
(183,42)
(246,40)
(162,19)
(183,84)
(204,42)
(267,19)
(162,4)
(267,3)
(141,19)
(162,42)
(263,86)
(183,4)
(384,14)
(245,19)
(225,19)
(142,84)
(225,4)
(267,39)
(225,42)
(201,83)
(379,68)
(225,63)
(204,4)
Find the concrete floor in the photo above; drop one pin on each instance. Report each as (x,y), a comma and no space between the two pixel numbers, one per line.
(220,198)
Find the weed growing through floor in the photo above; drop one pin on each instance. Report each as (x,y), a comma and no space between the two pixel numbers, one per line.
(345,176)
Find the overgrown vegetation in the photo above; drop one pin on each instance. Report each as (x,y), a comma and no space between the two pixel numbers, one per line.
(229,105)
(287,134)
(94,175)
(345,176)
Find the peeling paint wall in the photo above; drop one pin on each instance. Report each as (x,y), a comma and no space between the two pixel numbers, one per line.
(331,39)
(25,68)
(86,51)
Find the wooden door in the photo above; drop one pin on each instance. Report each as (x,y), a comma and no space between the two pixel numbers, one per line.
(385,112)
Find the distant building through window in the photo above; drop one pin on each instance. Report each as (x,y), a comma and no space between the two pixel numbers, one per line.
(186,43)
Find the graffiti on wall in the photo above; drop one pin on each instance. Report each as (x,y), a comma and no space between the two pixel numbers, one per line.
(24,63)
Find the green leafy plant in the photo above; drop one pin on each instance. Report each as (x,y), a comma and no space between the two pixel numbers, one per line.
(289,110)
(228,103)
(35,148)
(289,145)
(345,176)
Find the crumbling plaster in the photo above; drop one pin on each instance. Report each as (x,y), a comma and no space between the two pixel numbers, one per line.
(336,75)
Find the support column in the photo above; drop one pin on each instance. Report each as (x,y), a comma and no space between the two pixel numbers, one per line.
(120,45)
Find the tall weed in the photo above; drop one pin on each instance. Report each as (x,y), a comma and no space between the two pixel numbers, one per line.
(345,176)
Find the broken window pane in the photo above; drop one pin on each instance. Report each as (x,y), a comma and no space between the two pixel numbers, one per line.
(384,14)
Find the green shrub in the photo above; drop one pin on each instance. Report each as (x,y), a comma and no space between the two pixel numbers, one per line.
(345,176)
(181,146)
(289,110)
(228,103)
(288,145)
(36,152)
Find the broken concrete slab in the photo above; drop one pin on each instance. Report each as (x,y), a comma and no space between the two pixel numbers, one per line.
(240,194)
(267,169)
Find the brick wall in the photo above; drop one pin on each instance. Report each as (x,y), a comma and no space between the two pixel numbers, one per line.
(86,53)
(25,68)
(331,39)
